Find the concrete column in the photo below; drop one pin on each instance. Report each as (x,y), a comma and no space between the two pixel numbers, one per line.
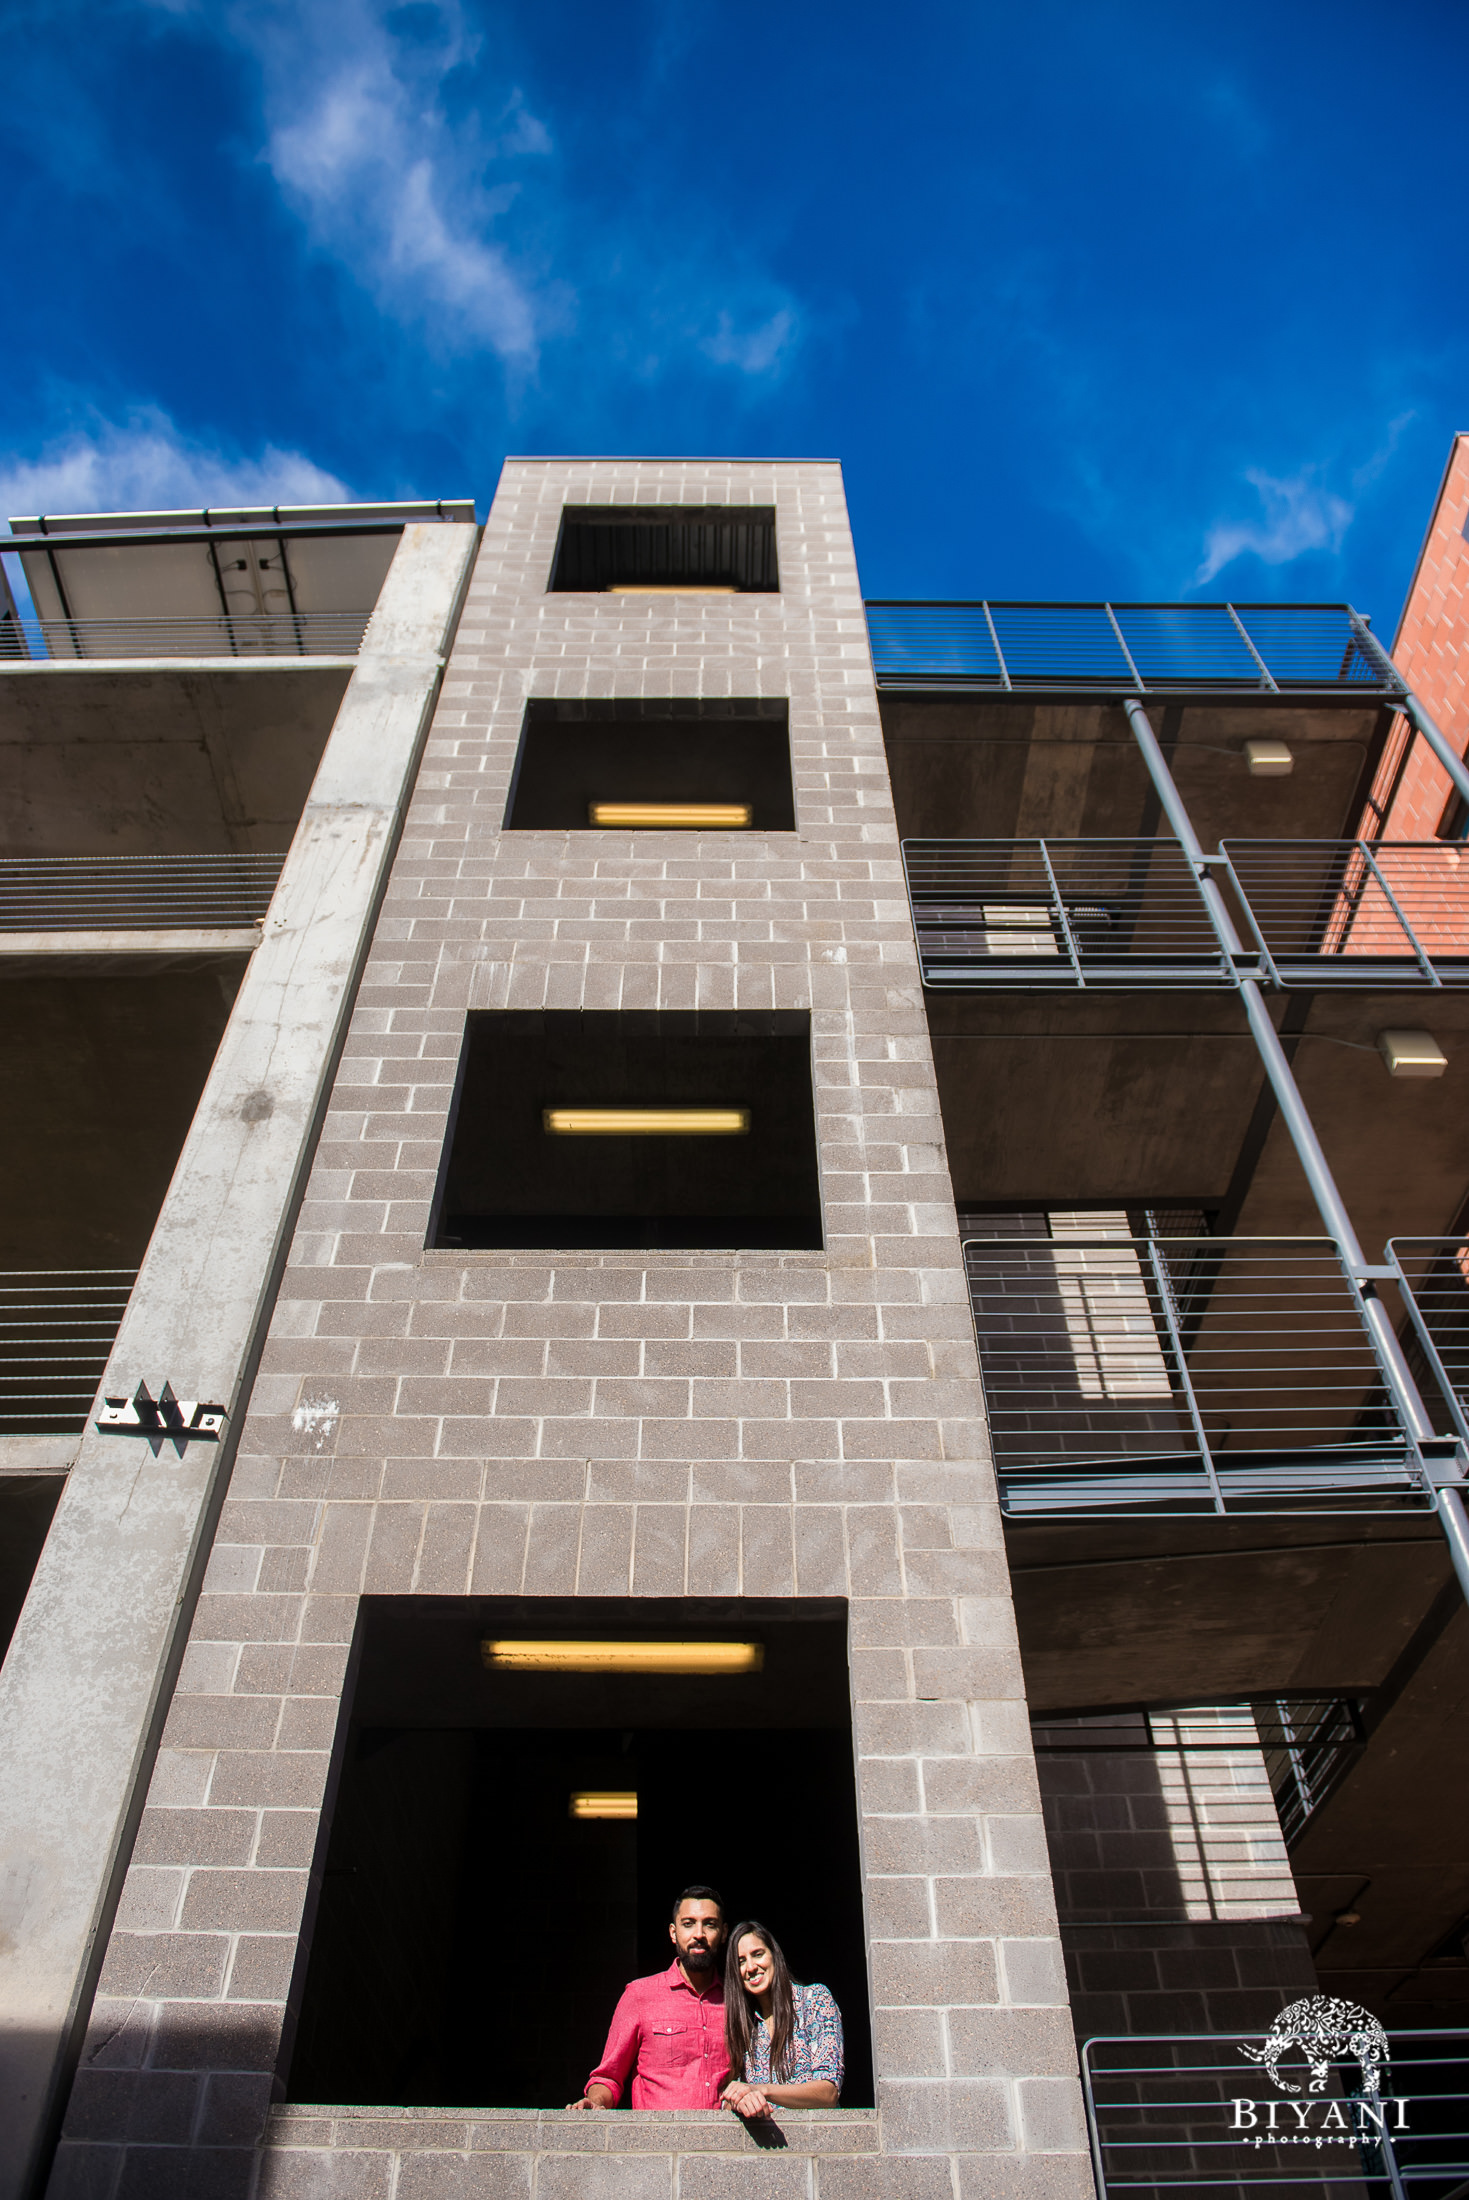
(92,1665)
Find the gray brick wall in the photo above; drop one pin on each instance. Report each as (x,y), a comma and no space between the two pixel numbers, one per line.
(705,1423)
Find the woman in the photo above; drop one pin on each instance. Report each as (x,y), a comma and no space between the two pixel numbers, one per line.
(784,2041)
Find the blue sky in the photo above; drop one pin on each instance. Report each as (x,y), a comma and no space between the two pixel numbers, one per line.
(1091,297)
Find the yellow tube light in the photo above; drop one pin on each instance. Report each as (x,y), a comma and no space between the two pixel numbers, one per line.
(623,1657)
(709,817)
(645,1122)
(599,1803)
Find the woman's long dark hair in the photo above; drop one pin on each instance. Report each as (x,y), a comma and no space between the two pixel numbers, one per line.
(741,2011)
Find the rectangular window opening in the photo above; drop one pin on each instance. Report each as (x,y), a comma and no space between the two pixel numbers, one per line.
(633,1128)
(640,766)
(667,547)
(505,1844)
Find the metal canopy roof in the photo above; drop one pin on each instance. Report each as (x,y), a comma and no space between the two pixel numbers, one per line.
(251,563)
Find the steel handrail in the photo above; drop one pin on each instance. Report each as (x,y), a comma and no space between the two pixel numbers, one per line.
(24,638)
(136,893)
(1128,648)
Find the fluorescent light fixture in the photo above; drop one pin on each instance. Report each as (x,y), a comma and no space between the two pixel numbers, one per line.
(669,588)
(1412,1054)
(645,1122)
(709,817)
(623,1657)
(603,1803)
(1269,759)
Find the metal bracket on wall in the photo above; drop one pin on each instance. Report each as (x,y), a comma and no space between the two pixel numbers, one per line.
(164,1419)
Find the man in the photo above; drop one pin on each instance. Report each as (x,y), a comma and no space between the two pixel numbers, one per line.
(668,2030)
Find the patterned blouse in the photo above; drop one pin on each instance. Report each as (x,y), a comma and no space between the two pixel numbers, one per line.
(816,2044)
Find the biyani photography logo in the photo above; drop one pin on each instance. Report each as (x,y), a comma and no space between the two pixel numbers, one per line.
(1324,2032)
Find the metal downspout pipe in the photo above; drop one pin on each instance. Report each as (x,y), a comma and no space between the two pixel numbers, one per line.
(1329,1202)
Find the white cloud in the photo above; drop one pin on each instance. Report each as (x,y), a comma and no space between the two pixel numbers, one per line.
(1297,515)
(145,463)
(363,149)
(753,351)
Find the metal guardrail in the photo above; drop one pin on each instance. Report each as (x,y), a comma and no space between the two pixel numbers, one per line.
(1042,914)
(1175,2114)
(1354,912)
(1060,913)
(1435,1288)
(300,634)
(1307,1742)
(135,893)
(57,1328)
(1127,648)
(1126,1374)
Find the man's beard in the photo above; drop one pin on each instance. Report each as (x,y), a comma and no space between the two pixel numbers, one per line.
(699,1959)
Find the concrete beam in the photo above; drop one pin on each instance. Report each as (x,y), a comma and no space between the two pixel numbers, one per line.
(110,954)
(50,668)
(85,1687)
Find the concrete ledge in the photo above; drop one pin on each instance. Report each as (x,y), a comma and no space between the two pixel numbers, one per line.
(304,2127)
(38,1454)
(28,668)
(109,954)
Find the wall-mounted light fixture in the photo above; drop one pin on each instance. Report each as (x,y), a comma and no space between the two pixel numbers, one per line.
(645,1122)
(1269,759)
(1412,1054)
(709,817)
(603,1803)
(623,1657)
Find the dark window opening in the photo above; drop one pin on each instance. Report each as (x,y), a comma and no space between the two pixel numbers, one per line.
(667,546)
(1454,824)
(470,1937)
(27,1505)
(513,1175)
(576,756)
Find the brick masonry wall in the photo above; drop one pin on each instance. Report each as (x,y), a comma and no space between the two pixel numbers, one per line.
(682,1423)
(1432,649)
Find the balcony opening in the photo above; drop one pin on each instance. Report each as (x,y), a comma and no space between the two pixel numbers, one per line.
(638,766)
(728,549)
(472,1930)
(27,1504)
(646,1128)
(105,1076)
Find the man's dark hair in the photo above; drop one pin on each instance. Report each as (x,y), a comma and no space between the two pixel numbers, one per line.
(698,1894)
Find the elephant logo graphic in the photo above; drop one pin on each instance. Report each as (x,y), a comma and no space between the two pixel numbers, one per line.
(1321,2026)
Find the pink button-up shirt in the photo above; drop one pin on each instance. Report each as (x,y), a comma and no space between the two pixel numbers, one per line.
(670,2039)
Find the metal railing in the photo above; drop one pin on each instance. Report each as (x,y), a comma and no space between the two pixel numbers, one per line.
(57,1328)
(135,893)
(1182,2113)
(1127,648)
(297,634)
(1354,912)
(1434,1275)
(1038,914)
(1307,1742)
(1060,913)
(1129,1374)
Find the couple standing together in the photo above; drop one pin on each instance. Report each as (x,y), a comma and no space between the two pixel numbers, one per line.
(689,2038)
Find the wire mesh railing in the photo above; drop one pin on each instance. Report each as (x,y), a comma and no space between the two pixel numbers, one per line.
(1129,1374)
(1383,2118)
(57,1328)
(1048,913)
(1354,912)
(135,893)
(297,634)
(1127,648)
